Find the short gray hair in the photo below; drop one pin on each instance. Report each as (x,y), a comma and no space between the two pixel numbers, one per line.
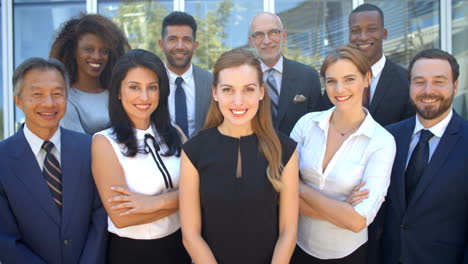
(40,64)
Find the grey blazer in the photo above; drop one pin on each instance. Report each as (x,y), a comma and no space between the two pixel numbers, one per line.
(203,82)
(300,94)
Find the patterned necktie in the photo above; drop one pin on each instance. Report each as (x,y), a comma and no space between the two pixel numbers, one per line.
(181,106)
(52,173)
(273,92)
(417,163)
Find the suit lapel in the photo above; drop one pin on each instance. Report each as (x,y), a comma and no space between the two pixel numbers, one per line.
(200,97)
(447,142)
(31,176)
(381,89)
(403,139)
(71,171)
(288,88)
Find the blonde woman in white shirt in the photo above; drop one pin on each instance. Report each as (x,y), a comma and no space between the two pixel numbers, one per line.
(136,163)
(345,160)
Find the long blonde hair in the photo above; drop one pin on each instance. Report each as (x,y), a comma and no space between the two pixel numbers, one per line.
(262,125)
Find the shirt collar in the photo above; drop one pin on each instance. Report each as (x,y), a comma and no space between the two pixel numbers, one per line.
(36,142)
(278,66)
(378,66)
(367,127)
(187,75)
(437,129)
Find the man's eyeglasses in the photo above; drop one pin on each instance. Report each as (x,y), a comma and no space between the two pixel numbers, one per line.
(273,34)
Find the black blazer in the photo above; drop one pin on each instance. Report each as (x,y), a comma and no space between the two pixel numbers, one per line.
(303,83)
(391,101)
(431,228)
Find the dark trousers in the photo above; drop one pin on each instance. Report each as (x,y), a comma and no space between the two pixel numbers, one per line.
(165,250)
(359,256)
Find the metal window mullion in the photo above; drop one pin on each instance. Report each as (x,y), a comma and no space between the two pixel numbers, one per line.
(269,6)
(357,3)
(179,5)
(8,67)
(91,6)
(446,25)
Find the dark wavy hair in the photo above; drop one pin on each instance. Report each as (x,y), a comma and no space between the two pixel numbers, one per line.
(160,118)
(66,40)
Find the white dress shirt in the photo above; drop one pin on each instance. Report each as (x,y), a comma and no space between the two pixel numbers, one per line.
(278,73)
(36,142)
(377,69)
(189,88)
(143,176)
(365,156)
(438,130)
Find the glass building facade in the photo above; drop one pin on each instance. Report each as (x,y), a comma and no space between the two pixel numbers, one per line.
(314,28)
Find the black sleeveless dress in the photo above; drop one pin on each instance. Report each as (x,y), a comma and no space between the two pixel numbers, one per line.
(239,211)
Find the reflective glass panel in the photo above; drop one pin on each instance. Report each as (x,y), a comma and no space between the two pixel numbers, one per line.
(35,24)
(460,51)
(413,25)
(140,20)
(314,27)
(222,25)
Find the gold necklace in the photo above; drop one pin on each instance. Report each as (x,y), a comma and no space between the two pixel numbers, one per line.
(343,133)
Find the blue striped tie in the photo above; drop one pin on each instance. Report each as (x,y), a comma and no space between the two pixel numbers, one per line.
(52,173)
(273,92)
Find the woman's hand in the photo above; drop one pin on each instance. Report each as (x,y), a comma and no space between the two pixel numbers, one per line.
(357,195)
(134,202)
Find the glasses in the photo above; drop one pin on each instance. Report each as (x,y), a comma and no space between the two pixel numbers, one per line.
(273,34)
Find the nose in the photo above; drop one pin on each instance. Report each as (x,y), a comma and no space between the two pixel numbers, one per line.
(363,35)
(238,99)
(48,100)
(180,44)
(144,95)
(266,39)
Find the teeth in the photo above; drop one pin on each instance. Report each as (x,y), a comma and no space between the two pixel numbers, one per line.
(239,112)
(95,65)
(428,101)
(47,114)
(143,107)
(364,46)
(342,98)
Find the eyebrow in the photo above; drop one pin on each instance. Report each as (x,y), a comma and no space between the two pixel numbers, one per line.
(140,83)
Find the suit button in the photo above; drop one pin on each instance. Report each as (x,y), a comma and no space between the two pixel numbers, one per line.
(67,242)
(404,227)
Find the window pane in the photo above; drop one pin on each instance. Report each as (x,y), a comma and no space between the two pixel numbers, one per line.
(1,78)
(140,20)
(460,51)
(34,31)
(413,25)
(222,25)
(314,28)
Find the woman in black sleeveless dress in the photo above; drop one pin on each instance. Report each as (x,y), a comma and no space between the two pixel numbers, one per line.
(239,178)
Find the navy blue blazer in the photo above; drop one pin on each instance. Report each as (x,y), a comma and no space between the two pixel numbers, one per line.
(31,229)
(303,83)
(391,102)
(432,228)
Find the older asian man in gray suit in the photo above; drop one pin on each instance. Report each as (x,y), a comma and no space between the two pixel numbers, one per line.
(190,85)
(294,88)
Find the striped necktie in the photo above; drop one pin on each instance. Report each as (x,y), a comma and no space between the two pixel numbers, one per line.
(273,92)
(52,173)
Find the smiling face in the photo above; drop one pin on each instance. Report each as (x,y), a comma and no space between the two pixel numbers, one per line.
(43,99)
(367,32)
(139,94)
(345,84)
(238,93)
(179,46)
(432,89)
(269,48)
(92,55)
